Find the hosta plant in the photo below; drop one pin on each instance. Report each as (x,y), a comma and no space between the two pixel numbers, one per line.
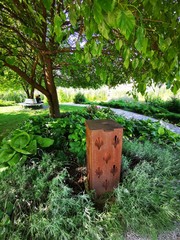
(20,146)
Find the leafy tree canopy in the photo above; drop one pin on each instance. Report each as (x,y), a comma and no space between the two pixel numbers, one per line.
(90,43)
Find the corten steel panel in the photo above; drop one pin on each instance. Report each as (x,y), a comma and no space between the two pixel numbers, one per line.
(104,150)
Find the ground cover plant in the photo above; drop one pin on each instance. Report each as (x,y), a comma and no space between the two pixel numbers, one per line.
(46,196)
(168,110)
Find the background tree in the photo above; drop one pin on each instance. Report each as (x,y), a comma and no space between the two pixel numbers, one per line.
(110,40)
(9,81)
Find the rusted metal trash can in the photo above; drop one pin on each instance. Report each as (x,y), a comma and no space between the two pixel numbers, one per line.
(104,151)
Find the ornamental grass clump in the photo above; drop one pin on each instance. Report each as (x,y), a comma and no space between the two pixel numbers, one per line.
(148,198)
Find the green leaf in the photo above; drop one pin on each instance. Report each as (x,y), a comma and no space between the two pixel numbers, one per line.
(91,28)
(174,64)
(44,142)
(47,4)
(126,55)
(142,86)
(6,155)
(57,21)
(20,140)
(176,87)
(171,53)
(86,10)
(15,159)
(98,17)
(126,23)
(141,42)
(87,57)
(94,49)
(118,44)
(88,78)
(104,30)
(72,16)
(126,63)
(57,28)
(111,19)
(135,63)
(32,147)
(154,63)
(107,5)
(103,75)
(10,60)
(161,131)
(23,159)
(23,151)
(164,43)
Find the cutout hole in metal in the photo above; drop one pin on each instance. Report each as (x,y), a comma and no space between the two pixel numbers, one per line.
(114,170)
(116,141)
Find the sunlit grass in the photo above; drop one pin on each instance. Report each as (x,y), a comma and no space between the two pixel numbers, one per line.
(68,108)
(12,117)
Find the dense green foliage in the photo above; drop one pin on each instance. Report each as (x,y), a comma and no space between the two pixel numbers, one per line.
(16,96)
(79,98)
(4,103)
(168,110)
(42,199)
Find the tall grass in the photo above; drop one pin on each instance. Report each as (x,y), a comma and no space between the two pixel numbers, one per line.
(123,91)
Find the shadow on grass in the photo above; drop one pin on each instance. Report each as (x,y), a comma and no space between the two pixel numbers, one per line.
(12,119)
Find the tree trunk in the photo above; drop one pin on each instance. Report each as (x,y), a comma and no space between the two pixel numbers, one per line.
(29,90)
(50,86)
(53,107)
(50,91)
(32,92)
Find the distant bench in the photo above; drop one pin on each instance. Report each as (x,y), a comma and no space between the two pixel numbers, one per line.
(31,103)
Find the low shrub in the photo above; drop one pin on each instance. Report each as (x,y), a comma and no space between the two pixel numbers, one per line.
(173,105)
(151,108)
(79,98)
(171,117)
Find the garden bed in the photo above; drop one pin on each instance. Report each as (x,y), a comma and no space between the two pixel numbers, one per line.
(168,111)
(46,196)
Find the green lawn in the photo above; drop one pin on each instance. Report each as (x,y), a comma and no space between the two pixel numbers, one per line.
(66,108)
(12,117)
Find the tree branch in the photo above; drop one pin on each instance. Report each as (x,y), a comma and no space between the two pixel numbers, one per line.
(24,76)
